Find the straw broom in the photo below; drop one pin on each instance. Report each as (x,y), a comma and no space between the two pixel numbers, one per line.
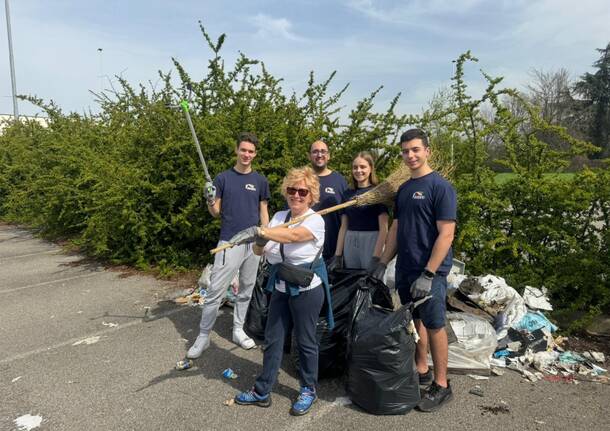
(383,192)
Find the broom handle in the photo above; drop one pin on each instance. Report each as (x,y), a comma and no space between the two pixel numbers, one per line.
(296,220)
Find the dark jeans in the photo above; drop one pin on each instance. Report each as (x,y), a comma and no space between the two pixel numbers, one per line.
(302,311)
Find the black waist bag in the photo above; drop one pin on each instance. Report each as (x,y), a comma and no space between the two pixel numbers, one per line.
(295,274)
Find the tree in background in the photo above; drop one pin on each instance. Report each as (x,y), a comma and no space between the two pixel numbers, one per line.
(594,88)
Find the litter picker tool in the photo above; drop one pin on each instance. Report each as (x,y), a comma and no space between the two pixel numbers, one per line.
(383,192)
(185,108)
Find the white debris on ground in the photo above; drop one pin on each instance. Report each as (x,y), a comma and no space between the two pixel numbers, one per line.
(110,324)
(524,336)
(27,422)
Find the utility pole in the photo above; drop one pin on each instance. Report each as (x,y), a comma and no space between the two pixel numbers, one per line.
(11,61)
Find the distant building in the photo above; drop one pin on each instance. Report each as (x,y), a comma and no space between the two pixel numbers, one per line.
(6,118)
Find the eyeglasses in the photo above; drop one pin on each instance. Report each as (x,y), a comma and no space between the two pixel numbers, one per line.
(319,152)
(292,191)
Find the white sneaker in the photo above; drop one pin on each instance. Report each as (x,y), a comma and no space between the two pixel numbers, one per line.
(242,340)
(201,343)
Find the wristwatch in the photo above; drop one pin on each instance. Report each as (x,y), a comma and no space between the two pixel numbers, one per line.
(429,273)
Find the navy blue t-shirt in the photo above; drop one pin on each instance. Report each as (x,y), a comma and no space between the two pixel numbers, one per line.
(420,202)
(241,195)
(365,218)
(332,188)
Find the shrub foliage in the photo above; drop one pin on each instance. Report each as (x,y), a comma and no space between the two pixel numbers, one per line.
(126,184)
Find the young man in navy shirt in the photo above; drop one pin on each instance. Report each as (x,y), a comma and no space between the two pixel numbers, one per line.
(239,197)
(422,233)
(332,188)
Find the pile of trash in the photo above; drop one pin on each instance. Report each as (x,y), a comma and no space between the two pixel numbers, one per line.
(496,327)
(195,296)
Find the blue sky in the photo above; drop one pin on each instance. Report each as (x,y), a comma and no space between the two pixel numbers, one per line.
(407,46)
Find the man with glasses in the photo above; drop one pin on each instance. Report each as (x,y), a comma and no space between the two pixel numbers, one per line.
(422,233)
(332,188)
(239,197)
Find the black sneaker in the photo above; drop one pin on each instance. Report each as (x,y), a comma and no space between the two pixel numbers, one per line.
(426,378)
(434,397)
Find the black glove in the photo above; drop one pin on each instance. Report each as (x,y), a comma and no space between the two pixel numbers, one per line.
(370,268)
(421,287)
(245,236)
(378,270)
(209,192)
(260,241)
(335,263)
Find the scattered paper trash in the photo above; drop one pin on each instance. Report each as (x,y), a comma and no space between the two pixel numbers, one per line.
(477,390)
(477,377)
(110,324)
(229,402)
(342,401)
(16,379)
(536,298)
(28,422)
(595,356)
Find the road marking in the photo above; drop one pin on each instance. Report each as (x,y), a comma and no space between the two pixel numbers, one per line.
(44,283)
(30,254)
(100,333)
(307,422)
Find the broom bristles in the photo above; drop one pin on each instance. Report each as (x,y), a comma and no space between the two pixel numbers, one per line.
(385,191)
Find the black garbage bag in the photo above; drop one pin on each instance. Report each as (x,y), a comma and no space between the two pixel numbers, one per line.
(382,378)
(332,350)
(256,316)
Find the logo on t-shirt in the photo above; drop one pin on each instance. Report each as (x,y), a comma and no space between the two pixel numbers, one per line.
(329,190)
(419,195)
(251,187)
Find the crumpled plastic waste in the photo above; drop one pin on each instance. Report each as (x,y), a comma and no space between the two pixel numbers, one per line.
(594,356)
(389,275)
(571,358)
(536,298)
(476,341)
(494,295)
(534,320)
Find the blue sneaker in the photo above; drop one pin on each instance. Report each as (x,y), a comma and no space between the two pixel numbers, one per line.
(251,398)
(304,402)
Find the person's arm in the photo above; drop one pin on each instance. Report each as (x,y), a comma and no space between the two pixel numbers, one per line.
(383,233)
(214,210)
(446,232)
(286,235)
(390,244)
(263,213)
(341,236)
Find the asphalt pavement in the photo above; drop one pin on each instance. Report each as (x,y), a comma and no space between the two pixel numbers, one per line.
(87,348)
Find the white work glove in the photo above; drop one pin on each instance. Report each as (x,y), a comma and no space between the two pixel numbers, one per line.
(209,192)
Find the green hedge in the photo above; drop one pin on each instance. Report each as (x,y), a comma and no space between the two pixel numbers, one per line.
(126,185)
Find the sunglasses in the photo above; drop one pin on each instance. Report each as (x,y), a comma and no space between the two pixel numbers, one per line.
(292,191)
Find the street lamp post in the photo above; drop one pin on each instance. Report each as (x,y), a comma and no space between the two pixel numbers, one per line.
(11,61)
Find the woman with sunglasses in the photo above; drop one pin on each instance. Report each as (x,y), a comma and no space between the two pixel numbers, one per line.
(363,229)
(292,251)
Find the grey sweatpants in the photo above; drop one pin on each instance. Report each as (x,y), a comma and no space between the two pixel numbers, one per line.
(226,264)
(358,248)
